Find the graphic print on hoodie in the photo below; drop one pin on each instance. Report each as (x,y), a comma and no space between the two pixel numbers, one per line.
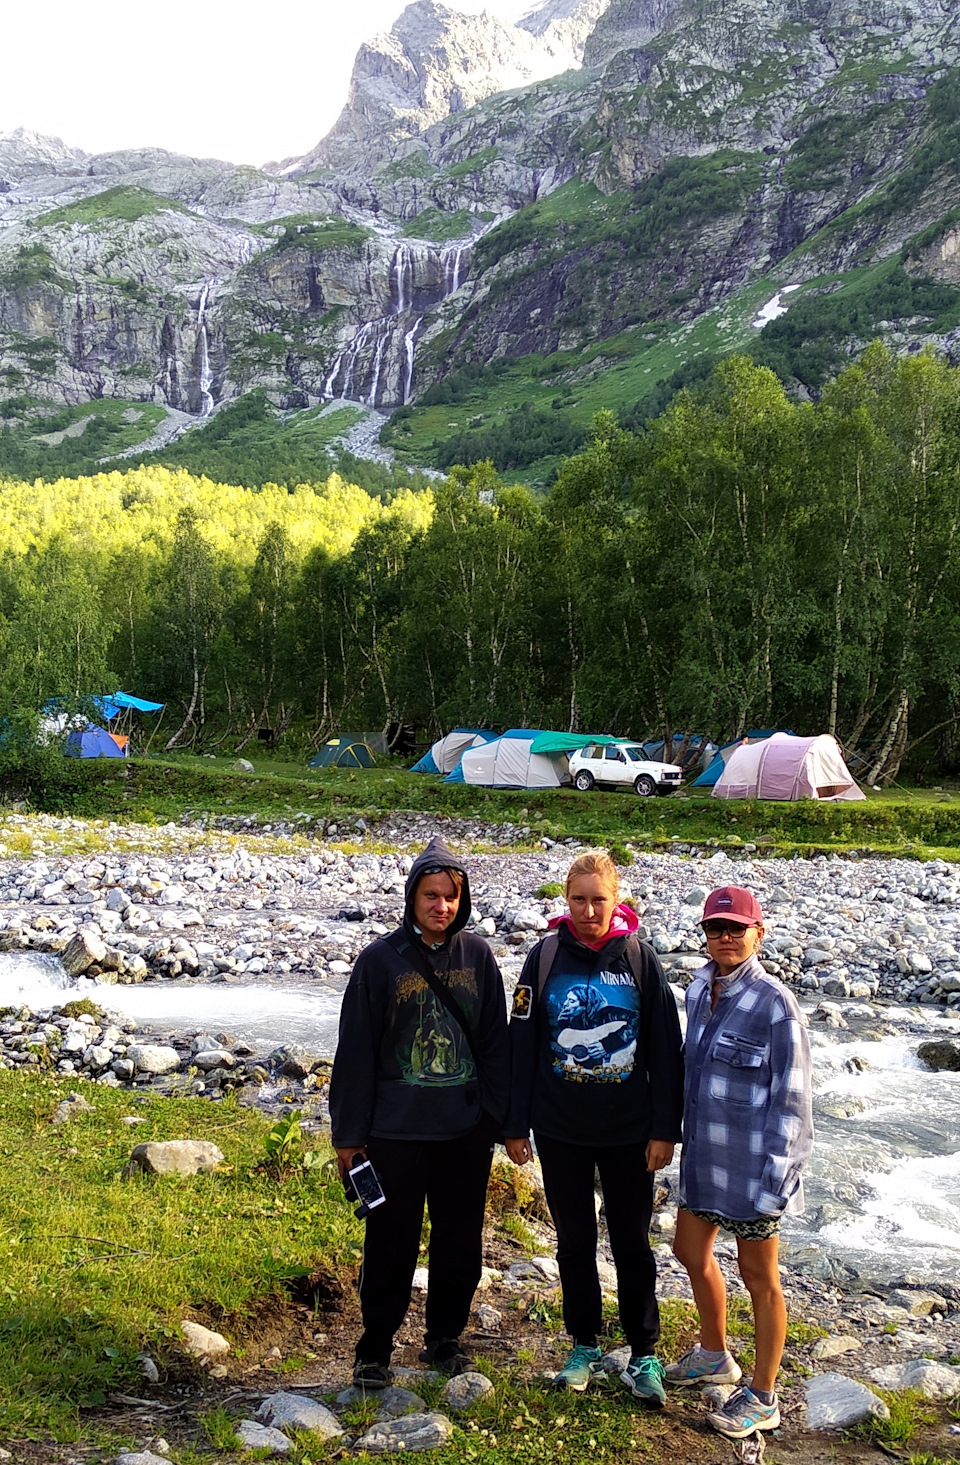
(593,1025)
(432,1051)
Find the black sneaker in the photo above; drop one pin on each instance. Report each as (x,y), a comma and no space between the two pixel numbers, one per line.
(446,1356)
(369,1374)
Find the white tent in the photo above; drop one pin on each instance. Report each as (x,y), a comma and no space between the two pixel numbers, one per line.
(786,767)
(508,762)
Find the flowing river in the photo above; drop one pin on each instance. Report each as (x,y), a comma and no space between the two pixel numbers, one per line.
(882,1187)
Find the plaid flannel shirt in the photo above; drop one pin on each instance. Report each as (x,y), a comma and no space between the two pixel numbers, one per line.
(747,1116)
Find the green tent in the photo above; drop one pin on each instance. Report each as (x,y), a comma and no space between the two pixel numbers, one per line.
(343,753)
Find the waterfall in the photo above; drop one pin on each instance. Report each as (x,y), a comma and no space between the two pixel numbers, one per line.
(452,260)
(378,362)
(206,375)
(409,349)
(402,273)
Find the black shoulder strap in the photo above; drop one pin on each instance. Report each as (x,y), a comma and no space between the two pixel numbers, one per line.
(405,947)
(548,953)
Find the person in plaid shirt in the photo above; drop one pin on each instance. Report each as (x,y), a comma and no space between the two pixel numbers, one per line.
(747,1130)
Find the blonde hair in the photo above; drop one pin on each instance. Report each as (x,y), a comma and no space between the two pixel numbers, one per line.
(595,862)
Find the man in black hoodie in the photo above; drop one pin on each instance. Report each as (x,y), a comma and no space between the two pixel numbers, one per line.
(420,1086)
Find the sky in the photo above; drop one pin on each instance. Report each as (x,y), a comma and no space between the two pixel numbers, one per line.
(209,80)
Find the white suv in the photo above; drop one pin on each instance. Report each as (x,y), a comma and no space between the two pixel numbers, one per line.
(623,763)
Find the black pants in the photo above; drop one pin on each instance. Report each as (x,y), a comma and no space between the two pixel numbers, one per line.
(628,1204)
(451,1176)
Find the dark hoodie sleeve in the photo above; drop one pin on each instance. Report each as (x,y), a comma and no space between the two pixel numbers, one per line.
(353,1083)
(491,1035)
(663,1051)
(523,1048)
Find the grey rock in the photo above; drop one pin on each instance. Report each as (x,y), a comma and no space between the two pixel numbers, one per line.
(836,1402)
(464,1390)
(242,765)
(69,1108)
(391,1403)
(414,1433)
(490,1320)
(299,1411)
(942,1055)
(834,1347)
(934,1380)
(153,1058)
(616,1360)
(918,1304)
(174,1157)
(254,1436)
(213,1058)
(141,1457)
(82,951)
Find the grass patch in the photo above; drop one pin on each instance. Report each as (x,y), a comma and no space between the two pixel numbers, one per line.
(438,226)
(98,1268)
(125,202)
(74,440)
(313,233)
(910,1412)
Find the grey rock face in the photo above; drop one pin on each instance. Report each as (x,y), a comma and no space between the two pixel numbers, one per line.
(414,1433)
(153,1058)
(836,1402)
(299,1411)
(256,1436)
(464,1390)
(934,1380)
(175,1157)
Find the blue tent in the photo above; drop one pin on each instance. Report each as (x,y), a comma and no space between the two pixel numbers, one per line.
(445,754)
(92,742)
(713,771)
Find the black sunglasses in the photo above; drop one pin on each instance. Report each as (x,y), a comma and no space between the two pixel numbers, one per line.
(713,930)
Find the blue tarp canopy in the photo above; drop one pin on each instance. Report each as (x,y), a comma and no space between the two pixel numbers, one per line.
(118,702)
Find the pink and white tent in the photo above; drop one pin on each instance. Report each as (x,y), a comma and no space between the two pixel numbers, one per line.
(785,767)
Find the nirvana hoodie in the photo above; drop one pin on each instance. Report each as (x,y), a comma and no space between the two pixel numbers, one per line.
(404,1067)
(597,1055)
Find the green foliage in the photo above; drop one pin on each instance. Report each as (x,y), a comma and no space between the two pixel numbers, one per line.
(75,439)
(305,231)
(550,891)
(83,1007)
(441,227)
(910,1412)
(283,1141)
(822,157)
(414,165)
(524,436)
(474,164)
(32,264)
(125,201)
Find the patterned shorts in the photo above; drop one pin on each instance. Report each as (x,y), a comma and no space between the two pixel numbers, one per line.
(759,1229)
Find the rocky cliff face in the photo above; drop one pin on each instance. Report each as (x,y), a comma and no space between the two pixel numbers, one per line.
(434,64)
(702,147)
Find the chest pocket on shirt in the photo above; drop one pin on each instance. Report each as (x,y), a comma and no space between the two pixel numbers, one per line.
(739,1075)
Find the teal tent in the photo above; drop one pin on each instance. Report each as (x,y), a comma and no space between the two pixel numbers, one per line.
(343,753)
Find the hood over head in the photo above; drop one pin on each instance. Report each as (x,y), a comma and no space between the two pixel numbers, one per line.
(436,856)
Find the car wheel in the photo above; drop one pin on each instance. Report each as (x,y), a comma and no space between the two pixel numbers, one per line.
(645,786)
(584,781)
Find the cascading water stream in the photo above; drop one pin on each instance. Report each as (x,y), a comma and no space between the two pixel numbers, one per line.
(206,375)
(378,363)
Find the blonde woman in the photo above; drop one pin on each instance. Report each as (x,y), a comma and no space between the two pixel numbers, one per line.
(597,1075)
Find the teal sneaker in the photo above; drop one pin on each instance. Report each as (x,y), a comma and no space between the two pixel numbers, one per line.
(743,1413)
(693,1368)
(643,1376)
(583,1365)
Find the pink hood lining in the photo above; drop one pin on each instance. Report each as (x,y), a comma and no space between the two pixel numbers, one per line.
(623,922)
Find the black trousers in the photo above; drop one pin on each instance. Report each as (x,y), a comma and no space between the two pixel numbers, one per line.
(627,1187)
(451,1177)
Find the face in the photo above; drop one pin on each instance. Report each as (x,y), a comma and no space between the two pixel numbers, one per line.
(592,904)
(435,904)
(731,944)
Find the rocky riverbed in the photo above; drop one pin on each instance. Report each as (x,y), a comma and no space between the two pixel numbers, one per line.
(871,947)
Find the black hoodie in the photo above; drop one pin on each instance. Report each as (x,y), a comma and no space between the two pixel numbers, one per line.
(404,1068)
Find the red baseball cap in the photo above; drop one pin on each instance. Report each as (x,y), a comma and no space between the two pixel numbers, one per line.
(733,903)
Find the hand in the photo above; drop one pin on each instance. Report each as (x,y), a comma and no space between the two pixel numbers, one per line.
(659,1154)
(345,1158)
(520,1151)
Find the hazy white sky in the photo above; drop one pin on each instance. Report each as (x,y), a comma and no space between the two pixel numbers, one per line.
(203,77)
